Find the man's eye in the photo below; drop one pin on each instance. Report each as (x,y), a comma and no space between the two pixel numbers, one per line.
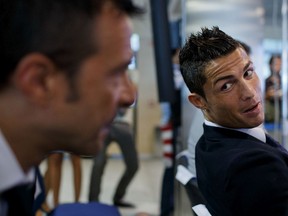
(226,86)
(249,73)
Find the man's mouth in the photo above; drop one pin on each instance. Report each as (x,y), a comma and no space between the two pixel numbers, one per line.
(252,108)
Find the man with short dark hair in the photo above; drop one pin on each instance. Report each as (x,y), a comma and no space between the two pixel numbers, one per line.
(63,78)
(240,169)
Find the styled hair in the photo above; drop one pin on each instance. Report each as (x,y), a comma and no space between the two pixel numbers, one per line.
(198,52)
(59,29)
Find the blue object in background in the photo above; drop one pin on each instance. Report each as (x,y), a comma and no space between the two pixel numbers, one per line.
(85,209)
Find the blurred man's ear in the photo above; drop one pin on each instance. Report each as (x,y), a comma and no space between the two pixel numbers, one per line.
(197,100)
(32,77)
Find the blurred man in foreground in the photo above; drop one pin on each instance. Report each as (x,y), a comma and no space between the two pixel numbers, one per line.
(63,78)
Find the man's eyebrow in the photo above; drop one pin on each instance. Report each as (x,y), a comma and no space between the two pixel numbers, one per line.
(223,78)
(249,63)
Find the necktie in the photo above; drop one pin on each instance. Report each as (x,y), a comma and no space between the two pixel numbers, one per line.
(20,200)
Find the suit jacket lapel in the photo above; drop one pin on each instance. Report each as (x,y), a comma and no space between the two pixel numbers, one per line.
(274,143)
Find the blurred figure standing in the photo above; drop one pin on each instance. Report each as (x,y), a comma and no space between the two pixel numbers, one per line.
(120,132)
(273,91)
(52,177)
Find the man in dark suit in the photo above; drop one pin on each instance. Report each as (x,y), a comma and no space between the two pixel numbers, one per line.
(240,170)
(63,77)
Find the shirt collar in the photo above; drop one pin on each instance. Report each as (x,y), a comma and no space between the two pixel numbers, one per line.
(257,132)
(11,173)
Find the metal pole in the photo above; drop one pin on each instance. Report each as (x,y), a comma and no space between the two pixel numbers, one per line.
(183,22)
(162,49)
(284,73)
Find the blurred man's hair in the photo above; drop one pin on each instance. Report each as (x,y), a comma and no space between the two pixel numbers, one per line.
(59,29)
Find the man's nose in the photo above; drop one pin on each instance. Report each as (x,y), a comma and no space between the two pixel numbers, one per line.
(247,91)
(128,93)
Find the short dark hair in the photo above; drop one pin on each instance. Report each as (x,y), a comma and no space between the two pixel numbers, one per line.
(59,29)
(197,53)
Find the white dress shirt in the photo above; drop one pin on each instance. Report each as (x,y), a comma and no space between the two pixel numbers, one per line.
(257,132)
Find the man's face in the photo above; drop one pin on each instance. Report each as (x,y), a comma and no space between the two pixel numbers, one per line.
(233,93)
(276,65)
(102,85)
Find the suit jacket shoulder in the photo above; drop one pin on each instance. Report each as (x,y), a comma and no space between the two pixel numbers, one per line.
(241,175)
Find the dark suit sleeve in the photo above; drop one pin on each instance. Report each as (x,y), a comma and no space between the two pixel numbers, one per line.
(257,184)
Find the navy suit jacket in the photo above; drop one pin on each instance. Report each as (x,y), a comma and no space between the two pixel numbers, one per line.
(241,175)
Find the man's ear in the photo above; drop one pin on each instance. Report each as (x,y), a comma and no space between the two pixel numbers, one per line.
(197,100)
(32,76)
